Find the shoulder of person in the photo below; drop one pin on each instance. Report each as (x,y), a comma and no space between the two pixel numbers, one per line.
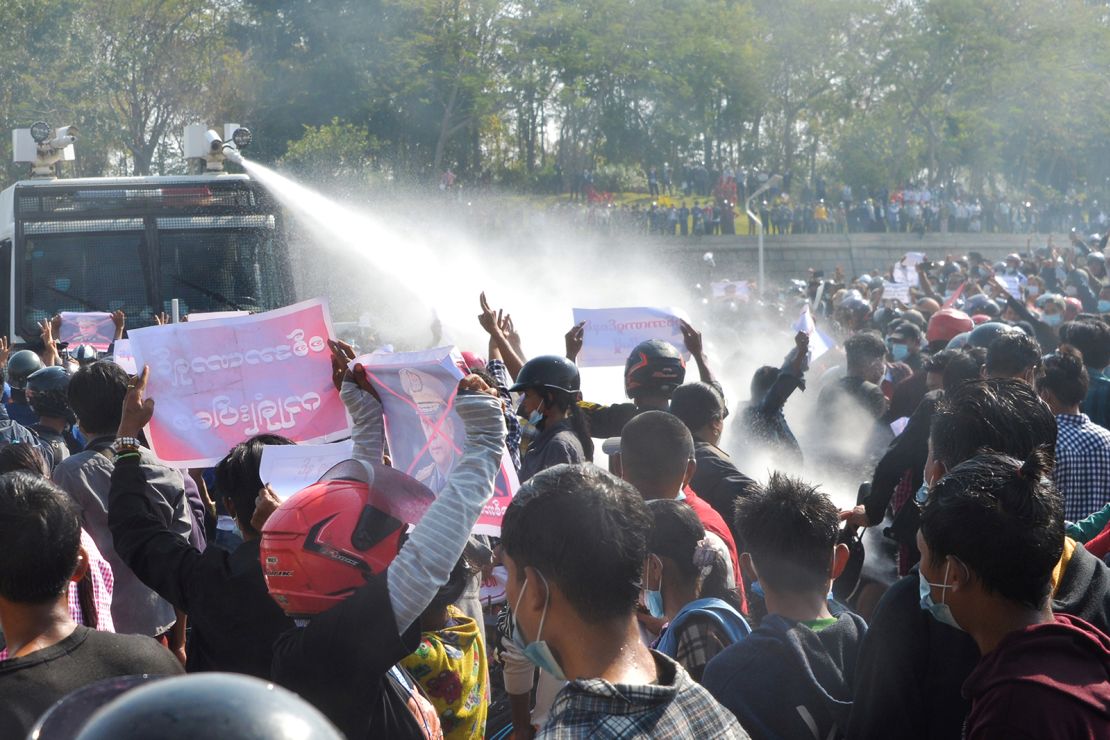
(142,654)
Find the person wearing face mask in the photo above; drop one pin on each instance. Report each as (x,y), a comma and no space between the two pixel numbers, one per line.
(912,667)
(685,585)
(792,677)
(574,540)
(904,344)
(702,408)
(552,388)
(1104,300)
(992,534)
(1082,472)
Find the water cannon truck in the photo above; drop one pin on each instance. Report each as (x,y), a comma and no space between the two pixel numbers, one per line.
(214,241)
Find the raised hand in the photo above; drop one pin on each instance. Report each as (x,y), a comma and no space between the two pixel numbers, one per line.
(265,504)
(137,411)
(691,337)
(119,318)
(574,339)
(489,319)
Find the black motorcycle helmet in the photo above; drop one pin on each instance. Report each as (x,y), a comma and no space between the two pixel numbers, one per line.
(216,705)
(985,334)
(548,372)
(46,392)
(20,366)
(654,366)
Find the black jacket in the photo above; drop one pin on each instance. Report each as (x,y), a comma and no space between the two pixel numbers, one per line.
(907,452)
(718,481)
(912,668)
(784,676)
(234,621)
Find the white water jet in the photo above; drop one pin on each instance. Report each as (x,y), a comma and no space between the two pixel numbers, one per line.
(404,276)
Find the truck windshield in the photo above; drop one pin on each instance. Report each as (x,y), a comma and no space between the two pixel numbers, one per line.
(233,270)
(205,269)
(83,272)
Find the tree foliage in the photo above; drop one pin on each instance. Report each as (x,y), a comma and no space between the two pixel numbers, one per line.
(993,93)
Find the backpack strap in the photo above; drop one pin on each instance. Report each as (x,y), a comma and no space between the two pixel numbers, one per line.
(720,613)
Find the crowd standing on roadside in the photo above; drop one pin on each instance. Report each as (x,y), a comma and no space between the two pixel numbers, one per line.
(674,564)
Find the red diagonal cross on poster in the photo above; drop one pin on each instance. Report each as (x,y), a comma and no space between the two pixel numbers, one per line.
(436,427)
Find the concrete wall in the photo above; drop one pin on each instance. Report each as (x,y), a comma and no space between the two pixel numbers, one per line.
(788,257)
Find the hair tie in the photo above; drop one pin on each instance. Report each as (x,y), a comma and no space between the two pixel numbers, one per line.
(705,557)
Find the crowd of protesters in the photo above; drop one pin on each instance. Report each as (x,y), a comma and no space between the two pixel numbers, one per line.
(646,582)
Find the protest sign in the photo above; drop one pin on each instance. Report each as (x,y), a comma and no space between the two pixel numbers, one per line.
(218,382)
(610,334)
(424,433)
(819,344)
(906,269)
(896,292)
(211,315)
(290,468)
(95,329)
(729,290)
(1012,284)
(122,356)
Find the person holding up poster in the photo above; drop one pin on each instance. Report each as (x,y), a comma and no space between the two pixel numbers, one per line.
(552,389)
(357,596)
(430,397)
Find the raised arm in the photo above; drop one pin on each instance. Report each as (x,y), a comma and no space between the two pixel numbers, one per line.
(494,324)
(362,402)
(425,561)
(691,337)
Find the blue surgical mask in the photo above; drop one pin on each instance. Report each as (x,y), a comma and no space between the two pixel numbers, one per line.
(899,351)
(1054,319)
(940,611)
(1033,290)
(654,599)
(1103,306)
(537,652)
(536,416)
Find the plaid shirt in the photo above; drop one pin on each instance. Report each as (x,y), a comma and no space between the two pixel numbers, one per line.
(675,707)
(699,642)
(1097,403)
(1082,472)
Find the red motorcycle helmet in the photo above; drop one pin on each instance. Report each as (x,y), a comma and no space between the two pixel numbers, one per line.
(947,323)
(327,540)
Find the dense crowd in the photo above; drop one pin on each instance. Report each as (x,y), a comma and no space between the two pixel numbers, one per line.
(645,582)
(702,203)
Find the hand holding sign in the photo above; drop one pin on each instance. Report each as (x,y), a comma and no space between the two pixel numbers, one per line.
(137,411)
(574,339)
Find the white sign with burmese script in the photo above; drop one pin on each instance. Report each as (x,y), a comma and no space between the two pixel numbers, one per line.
(217,383)
(610,334)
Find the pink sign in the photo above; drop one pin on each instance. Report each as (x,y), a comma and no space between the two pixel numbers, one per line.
(425,434)
(217,383)
(96,329)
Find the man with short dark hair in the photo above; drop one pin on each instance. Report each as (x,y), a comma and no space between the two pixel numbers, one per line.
(96,394)
(1092,338)
(657,456)
(992,533)
(792,677)
(49,655)
(1013,355)
(701,407)
(576,618)
(912,667)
